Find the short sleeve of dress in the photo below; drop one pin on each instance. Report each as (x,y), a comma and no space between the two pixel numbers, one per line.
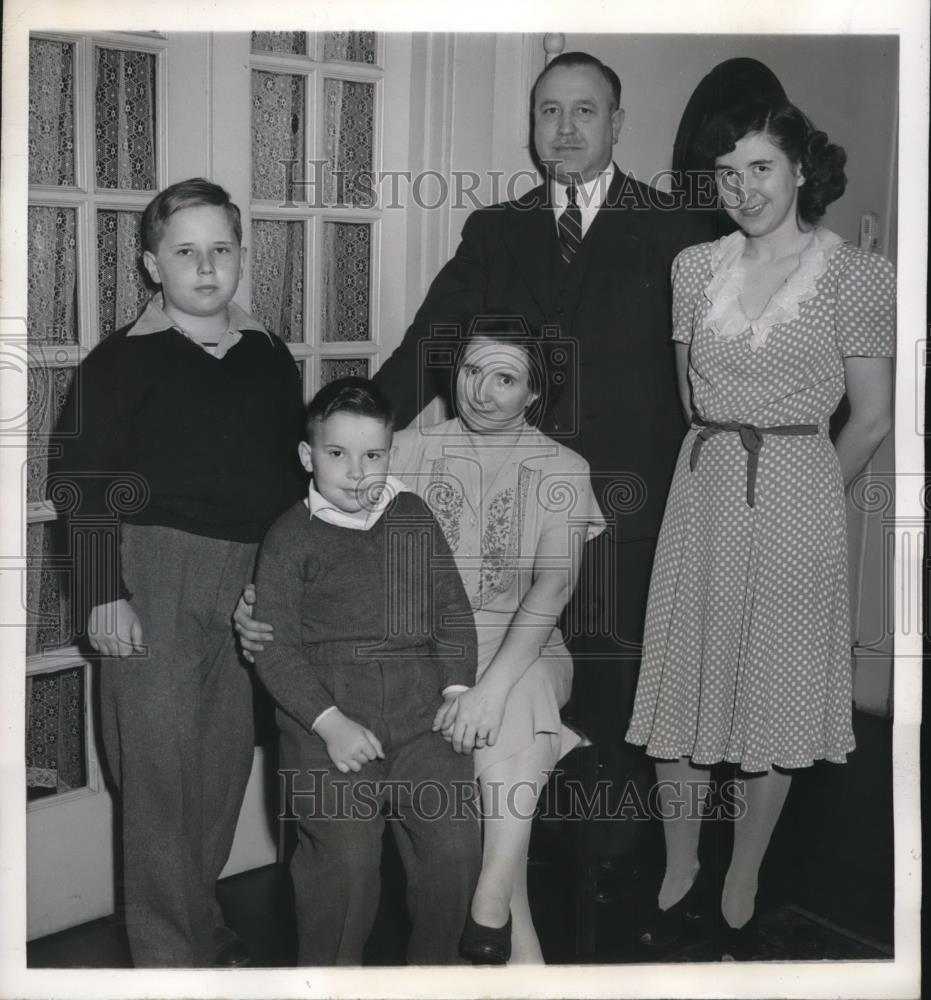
(689,274)
(566,496)
(407,457)
(403,447)
(865,324)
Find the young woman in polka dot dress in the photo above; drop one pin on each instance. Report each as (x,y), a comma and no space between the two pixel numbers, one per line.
(747,645)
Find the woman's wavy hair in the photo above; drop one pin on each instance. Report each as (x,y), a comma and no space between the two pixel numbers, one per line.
(543,354)
(821,161)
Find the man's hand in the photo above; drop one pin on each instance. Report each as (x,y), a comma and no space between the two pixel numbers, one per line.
(348,744)
(252,635)
(114,629)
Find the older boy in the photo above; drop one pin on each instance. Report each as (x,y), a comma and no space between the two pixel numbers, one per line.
(373,629)
(188,422)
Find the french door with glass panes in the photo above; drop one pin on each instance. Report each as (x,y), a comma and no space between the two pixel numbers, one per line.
(295,125)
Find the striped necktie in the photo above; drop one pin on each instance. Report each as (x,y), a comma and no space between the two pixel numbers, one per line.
(569,226)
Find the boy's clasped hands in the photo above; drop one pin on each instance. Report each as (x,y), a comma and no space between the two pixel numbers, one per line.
(349,744)
(468,719)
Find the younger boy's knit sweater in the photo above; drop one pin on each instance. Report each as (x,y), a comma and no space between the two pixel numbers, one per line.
(384,607)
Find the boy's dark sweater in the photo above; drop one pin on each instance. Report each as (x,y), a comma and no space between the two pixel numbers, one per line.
(342,599)
(202,444)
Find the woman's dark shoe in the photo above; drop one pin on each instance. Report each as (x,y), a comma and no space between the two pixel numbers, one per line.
(486,945)
(740,944)
(667,927)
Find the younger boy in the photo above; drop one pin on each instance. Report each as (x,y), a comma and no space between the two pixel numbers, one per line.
(372,627)
(188,419)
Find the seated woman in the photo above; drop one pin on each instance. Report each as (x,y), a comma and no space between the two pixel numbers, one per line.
(516,509)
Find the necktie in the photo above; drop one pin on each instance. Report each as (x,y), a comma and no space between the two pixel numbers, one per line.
(569,226)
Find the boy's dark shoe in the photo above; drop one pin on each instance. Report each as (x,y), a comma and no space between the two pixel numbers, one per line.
(229,950)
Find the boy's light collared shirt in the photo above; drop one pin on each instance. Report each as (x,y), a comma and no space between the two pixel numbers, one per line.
(320,507)
(154,319)
(361,520)
(590,197)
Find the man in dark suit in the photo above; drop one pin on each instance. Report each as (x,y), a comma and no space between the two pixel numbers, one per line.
(599,284)
(596,277)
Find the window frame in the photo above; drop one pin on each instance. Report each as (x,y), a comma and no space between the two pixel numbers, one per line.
(312,349)
(86,199)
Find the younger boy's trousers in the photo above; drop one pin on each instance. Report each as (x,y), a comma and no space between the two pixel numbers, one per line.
(178,732)
(430,793)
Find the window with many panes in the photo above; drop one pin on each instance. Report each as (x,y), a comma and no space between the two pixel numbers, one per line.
(315,150)
(95,160)
(98,151)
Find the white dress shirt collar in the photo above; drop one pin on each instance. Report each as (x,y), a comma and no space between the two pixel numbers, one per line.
(363,519)
(590,196)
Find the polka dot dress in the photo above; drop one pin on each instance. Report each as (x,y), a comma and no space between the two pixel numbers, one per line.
(747,644)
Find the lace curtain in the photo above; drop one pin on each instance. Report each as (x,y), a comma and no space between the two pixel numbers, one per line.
(124,158)
(349,121)
(349,46)
(124,144)
(48,615)
(121,290)
(278,253)
(288,42)
(277,133)
(124,116)
(51,112)
(56,759)
(347,255)
(338,46)
(278,277)
(46,391)
(124,119)
(334,368)
(51,275)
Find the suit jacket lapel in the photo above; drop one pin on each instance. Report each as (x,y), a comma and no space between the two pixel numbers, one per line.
(531,238)
(614,240)
(615,235)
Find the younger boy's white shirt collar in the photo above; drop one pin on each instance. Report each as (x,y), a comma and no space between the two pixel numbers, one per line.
(590,196)
(154,319)
(320,507)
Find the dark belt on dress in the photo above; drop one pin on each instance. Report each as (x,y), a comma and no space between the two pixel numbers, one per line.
(750,437)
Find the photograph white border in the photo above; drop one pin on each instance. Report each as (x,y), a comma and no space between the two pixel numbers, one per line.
(906,18)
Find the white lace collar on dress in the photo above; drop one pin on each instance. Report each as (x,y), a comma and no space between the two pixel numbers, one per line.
(726,317)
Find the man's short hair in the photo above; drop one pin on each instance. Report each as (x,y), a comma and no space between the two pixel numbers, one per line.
(581,59)
(351,394)
(185,194)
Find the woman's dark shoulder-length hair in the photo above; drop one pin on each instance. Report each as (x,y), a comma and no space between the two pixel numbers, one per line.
(821,161)
(545,359)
